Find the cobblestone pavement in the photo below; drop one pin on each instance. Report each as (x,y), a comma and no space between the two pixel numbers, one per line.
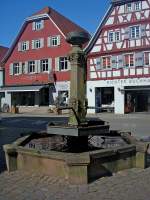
(131,184)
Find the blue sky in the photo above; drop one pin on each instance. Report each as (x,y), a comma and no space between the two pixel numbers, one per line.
(86,13)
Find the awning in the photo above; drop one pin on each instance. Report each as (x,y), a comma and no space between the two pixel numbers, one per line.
(33,88)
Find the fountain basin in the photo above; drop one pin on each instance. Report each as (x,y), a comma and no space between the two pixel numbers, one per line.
(77,168)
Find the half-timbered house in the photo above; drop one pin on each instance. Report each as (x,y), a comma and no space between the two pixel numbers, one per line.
(119,59)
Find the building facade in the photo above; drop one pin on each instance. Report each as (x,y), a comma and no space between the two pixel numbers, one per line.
(3,51)
(119,59)
(36,65)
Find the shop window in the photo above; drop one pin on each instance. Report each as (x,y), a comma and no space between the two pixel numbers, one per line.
(106,62)
(129,60)
(147,58)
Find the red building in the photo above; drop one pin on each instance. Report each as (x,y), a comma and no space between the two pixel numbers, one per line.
(3,51)
(36,65)
(119,59)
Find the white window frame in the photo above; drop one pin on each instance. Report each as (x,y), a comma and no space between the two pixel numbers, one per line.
(139,4)
(32,65)
(24,46)
(133,35)
(144,58)
(54,41)
(127,7)
(16,68)
(63,64)
(37,44)
(116,39)
(44,65)
(129,60)
(38,25)
(112,36)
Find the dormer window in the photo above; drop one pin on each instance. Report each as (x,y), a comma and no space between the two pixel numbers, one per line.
(38,25)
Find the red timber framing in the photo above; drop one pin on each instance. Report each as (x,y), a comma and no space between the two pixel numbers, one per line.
(124,36)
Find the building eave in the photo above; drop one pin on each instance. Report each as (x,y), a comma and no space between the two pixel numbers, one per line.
(98,30)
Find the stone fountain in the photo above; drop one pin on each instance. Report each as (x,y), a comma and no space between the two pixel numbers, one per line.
(81,150)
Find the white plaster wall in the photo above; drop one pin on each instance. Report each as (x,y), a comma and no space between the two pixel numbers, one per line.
(119,100)
(118,85)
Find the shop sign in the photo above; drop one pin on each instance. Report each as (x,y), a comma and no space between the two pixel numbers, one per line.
(129,82)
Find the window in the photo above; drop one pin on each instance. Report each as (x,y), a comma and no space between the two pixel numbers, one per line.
(134,32)
(37,44)
(114,36)
(147,58)
(16,68)
(129,7)
(31,66)
(117,36)
(24,46)
(137,6)
(38,25)
(23,68)
(53,41)
(111,37)
(44,65)
(129,60)
(63,63)
(106,62)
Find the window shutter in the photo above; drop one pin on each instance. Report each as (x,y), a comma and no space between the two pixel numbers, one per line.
(58,39)
(143,30)
(98,63)
(120,61)
(36,66)
(26,67)
(33,46)
(57,64)
(49,65)
(20,67)
(49,42)
(11,69)
(42,24)
(19,46)
(69,65)
(39,66)
(42,42)
(33,26)
(127,33)
(27,45)
(114,61)
(139,59)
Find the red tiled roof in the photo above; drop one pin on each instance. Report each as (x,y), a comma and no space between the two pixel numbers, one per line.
(3,51)
(64,24)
